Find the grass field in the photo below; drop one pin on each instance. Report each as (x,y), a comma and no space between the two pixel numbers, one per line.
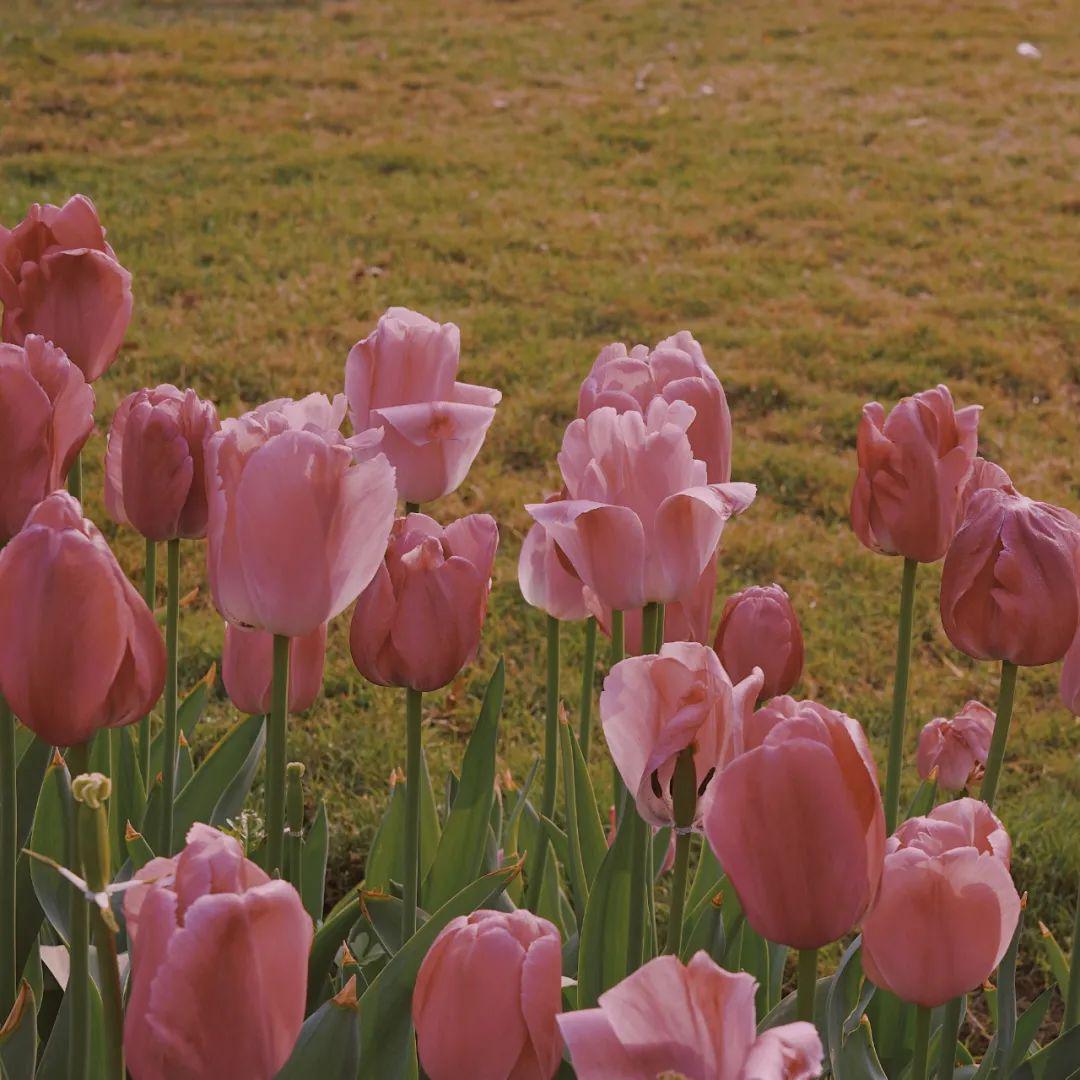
(843,202)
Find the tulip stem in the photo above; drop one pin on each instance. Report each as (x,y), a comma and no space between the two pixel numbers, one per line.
(618,648)
(588,675)
(650,613)
(994,759)
(149,595)
(950,1030)
(684,798)
(294,806)
(551,758)
(9,853)
(414,700)
(807,985)
(170,737)
(1072,998)
(900,693)
(74,477)
(639,867)
(276,734)
(922,1042)
(79,971)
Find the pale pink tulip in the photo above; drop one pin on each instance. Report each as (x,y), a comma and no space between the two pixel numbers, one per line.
(957,748)
(46,415)
(219,957)
(418,623)
(1069,688)
(60,279)
(247,668)
(486,998)
(759,629)
(546,580)
(401,379)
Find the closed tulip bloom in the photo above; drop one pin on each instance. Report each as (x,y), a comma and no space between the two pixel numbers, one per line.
(402,379)
(1008,586)
(247,668)
(486,997)
(219,956)
(956,748)
(298,520)
(913,468)
(546,580)
(654,707)
(641,521)
(947,908)
(79,649)
(60,279)
(418,623)
(984,474)
(46,414)
(695,1021)
(759,629)
(155,477)
(676,370)
(800,804)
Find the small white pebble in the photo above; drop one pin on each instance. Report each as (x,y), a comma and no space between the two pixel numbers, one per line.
(1032,52)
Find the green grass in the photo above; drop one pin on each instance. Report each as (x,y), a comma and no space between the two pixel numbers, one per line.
(840,205)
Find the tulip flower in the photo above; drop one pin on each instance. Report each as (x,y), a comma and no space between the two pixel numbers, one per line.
(155,478)
(759,629)
(418,623)
(486,998)
(984,474)
(219,956)
(247,662)
(641,521)
(947,907)
(956,748)
(79,649)
(695,1021)
(1070,678)
(546,580)
(60,279)
(676,370)
(46,414)
(401,379)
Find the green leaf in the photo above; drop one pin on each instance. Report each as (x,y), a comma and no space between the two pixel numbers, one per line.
(384,859)
(1056,958)
(593,838)
(1006,999)
(139,852)
(383,915)
(28,777)
(461,849)
(18,1036)
(328,1046)
(49,838)
(850,1043)
(1055,1061)
(558,838)
(315,851)
(54,1061)
(429,820)
(706,933)
(188,713)
(327,941)
(923,801)
(127,802)
(385,1009)
(1027,1027)
(574,862)
(706,878)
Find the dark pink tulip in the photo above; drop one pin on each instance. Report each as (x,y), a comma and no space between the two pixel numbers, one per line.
(247,668)
(984,474)
(298,517)
(759,629)
(676,370)
(546,580)
(913,467)
(695,1021)
(401,379)
(79,649)
(219,956)
(800,804)
(654,707)
(46,414)
(418,623)
(60,279)
(1008,586)
(486,997)
(641,520)
(947,907)
(155,477)
(957,748)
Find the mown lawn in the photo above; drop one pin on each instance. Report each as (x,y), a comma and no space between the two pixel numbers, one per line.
(842,202)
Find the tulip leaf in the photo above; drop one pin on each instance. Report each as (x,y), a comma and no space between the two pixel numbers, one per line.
(1056,958)
(706,933)
(188,713)
(1006,1000)
(383,915)
(49,838)
(328,938)
(574,862)
(706,877)
(139,852)
(659,847)
(30,772)
(549,905)
(1055,1061)
(558,839)
(386,1007)
(592,838)
(461,848)
(54,1061)
(127,801)
(430,831)
(1027,1027)
(923,800)
(28,912)
(384,858)
(328,1046)
(18,1036)
(850,1045)
(315,851)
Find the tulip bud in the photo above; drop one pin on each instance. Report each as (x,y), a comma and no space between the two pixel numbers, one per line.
(956,748)
(247,668)
(759,629)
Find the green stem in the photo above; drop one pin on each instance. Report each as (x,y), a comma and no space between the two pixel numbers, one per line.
(414,701)
(684,798)
(807,985)
(900,692)
(79,973)
(950,1030)
(1072,998)
(678,893)
(588,675)
(551,757)
(74,477)
(1006,692)
(171,735)
(9,853)
(650,613)
(576,869)
(635,940)
(660,619)
(150,596)
(618,650)
(922,1043)
(412,508)
(276,736)
(294,806)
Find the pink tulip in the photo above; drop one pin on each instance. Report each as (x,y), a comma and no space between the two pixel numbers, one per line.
(46,414)
(694,1021)
(545,579)
(957,748)
(402,379)
(247,669)
(79,649)
(486,997)
(641,522)
(984,474)
(155,479)
(676,370)
(759,629)
(913,467)
(947,907)
(800,804)
(298,518)
(1009,583)
(219,956)
(1070,677)
(418,623)
(654,707)
(60,279)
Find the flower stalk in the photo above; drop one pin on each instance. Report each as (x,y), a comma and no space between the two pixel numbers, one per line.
(276,736)
(171,735)
(1006,693)
(414,700)
(900,693)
